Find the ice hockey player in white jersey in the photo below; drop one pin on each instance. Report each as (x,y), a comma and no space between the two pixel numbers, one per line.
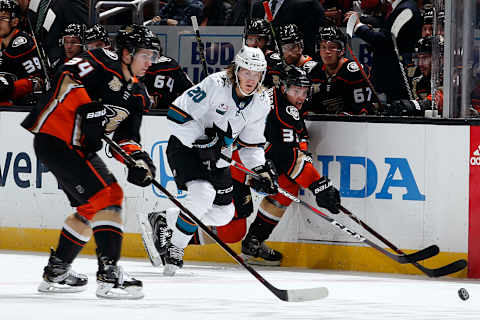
(225,108)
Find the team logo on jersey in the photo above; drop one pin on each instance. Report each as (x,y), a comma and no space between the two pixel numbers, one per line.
(164,59)
(221,109)
(115,115)
(19,41)
(275,56)
(309,65)
(112,55)
(291,110)
(115,84)
(352,67)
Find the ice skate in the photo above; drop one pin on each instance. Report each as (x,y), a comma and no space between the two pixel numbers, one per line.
(114,283)
(173,260)
(59,277)
(258,253)
(155,235)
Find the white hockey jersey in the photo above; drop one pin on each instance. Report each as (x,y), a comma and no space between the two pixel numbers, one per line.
(211,102)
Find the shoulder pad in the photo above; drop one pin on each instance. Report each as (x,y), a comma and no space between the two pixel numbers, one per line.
(112,55)
(20,44)
(352,66)
(309,65)
(220,79)
(292,111)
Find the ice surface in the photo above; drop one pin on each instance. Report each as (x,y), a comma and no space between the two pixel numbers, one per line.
(224,291)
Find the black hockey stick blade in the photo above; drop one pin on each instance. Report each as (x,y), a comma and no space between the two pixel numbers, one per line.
(422,254)
(291,295)
(443,271)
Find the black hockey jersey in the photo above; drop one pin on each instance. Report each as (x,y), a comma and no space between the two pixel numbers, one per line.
(20,57)
(344,92)
(421,87)
(285,132)
(275,68)
(93,76)
(165,81)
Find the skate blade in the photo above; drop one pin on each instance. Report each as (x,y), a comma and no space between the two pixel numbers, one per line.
(107,291)
(259,261)
(147,238)
(51,287)
(169,270)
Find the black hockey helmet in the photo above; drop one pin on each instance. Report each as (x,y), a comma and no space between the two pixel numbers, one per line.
(332,34)
(289,33)
(424,45)
(134,36)
(295,76)
(10,6)
(96,32)
(257,26)
(427,16)
(73,30)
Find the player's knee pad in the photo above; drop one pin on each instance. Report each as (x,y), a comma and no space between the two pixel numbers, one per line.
(219,215)
(200,197)
(111,196)
(234,231)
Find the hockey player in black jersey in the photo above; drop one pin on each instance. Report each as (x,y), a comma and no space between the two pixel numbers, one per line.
(291,41)
(71,41)
(96,37)
(165,81)
(20,67)
(257,34)
(287,144)
(95,93)
(338,84)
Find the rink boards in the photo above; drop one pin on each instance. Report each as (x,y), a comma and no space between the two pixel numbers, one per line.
(410,182)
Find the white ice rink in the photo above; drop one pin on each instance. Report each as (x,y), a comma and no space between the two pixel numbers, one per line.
(202,291)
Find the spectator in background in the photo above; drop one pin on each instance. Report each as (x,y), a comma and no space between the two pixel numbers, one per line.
(241,11)
(386,73)
(179,12)
(214,13)
(308,15)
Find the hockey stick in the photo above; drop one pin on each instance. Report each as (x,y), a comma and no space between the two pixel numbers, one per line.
(269,15)
(44,62)
(290,295)
(397,25)
(201,47)
(350,26)
(403,258)
(433,273)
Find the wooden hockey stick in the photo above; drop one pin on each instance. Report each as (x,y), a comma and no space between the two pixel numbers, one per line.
(201,47)
(402,258)
(397,25)
(290,295)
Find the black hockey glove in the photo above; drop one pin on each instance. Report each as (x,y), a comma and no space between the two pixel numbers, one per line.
(7,84)
(326,195)
(266,183)
(209,148)
(405,108)
(94,119)
(143,172)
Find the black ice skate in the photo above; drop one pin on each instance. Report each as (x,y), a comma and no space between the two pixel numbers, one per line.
(155,235)
(114,283)
(173,260)
(258,253)
(58,276)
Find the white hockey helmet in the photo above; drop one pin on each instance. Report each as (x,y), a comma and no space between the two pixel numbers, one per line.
(250,59)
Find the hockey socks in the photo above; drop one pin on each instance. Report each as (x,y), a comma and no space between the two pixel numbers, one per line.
(263,225)
(108,237)
(70,244)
